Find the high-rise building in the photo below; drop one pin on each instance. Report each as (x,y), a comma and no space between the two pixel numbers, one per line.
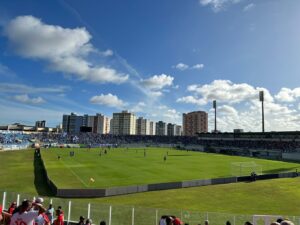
(72,123)
(152,128)
(99,123)
(171,129)
(194,122)
(161,128)
(124,123)
(40,124)
(142,126)
(178,130)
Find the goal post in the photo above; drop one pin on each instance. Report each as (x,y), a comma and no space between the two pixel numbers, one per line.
(239,169)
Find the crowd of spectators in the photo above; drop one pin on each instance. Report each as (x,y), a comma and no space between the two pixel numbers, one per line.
(13,138)
(34,213)
(96,140)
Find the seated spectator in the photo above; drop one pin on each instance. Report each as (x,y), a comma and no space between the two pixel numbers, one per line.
(81,220)
(88,222)
(286,222)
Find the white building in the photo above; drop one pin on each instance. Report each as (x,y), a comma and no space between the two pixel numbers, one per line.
(142,126)
(99,123)
(124,123)
(152,128)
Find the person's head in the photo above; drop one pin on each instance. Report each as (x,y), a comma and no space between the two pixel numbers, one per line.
(50,206)
(248,223)
(206,222)
(25,206)
(81,219)
(279,220)
(102,223)
(88,221)
(58,212)
(286,222)
(275,223)
(228,222)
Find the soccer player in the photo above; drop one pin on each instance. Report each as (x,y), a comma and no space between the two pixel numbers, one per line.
(24,216)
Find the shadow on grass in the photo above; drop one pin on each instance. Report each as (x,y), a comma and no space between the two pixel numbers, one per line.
(40,180)
(282,170)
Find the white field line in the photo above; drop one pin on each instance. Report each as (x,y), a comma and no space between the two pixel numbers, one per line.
(85,184)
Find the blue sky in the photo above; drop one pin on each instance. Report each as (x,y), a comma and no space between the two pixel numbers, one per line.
(156,58)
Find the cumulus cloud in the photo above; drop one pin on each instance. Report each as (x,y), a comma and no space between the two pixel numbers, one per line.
(226,91)
(27,100)
(192,100)
(239,106)
(109,100)
(66,50)
(218,5)
(198,66)
(158,82)
(288,95)
(182,66)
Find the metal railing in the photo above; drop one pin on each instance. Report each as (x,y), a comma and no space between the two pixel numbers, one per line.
(130,215)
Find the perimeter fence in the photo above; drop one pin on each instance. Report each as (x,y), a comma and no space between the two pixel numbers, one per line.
(133,215)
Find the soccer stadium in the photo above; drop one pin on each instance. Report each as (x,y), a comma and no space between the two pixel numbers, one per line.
(161,112)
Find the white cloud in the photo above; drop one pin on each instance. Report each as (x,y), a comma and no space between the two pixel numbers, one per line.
(108,100)
(228,110)
(249,7)
(181,66)
(66,50)
(27,100)
(227,92)
(108,52)
(218,5)
(158,82)
(239,106)
(198,66)
(22,88)
(172,114)
(192,100)
(288,95)
(165,114)
(139,107)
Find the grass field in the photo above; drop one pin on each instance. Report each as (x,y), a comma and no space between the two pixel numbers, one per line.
(122,167)
(281,196)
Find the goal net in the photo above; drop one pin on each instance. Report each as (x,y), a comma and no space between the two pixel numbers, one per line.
(239,169)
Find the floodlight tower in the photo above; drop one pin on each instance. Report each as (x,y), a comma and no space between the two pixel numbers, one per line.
(215,107)
(261,98)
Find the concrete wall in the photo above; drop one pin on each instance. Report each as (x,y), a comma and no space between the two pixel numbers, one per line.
(70,193)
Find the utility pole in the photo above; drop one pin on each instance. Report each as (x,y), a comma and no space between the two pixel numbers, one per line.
(215,107)
(261,98)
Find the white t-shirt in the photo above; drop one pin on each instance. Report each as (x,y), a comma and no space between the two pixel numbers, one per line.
(40,219)
(26,218)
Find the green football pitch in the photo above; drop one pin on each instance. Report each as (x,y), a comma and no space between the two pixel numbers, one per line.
(21,174)
(124,167)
